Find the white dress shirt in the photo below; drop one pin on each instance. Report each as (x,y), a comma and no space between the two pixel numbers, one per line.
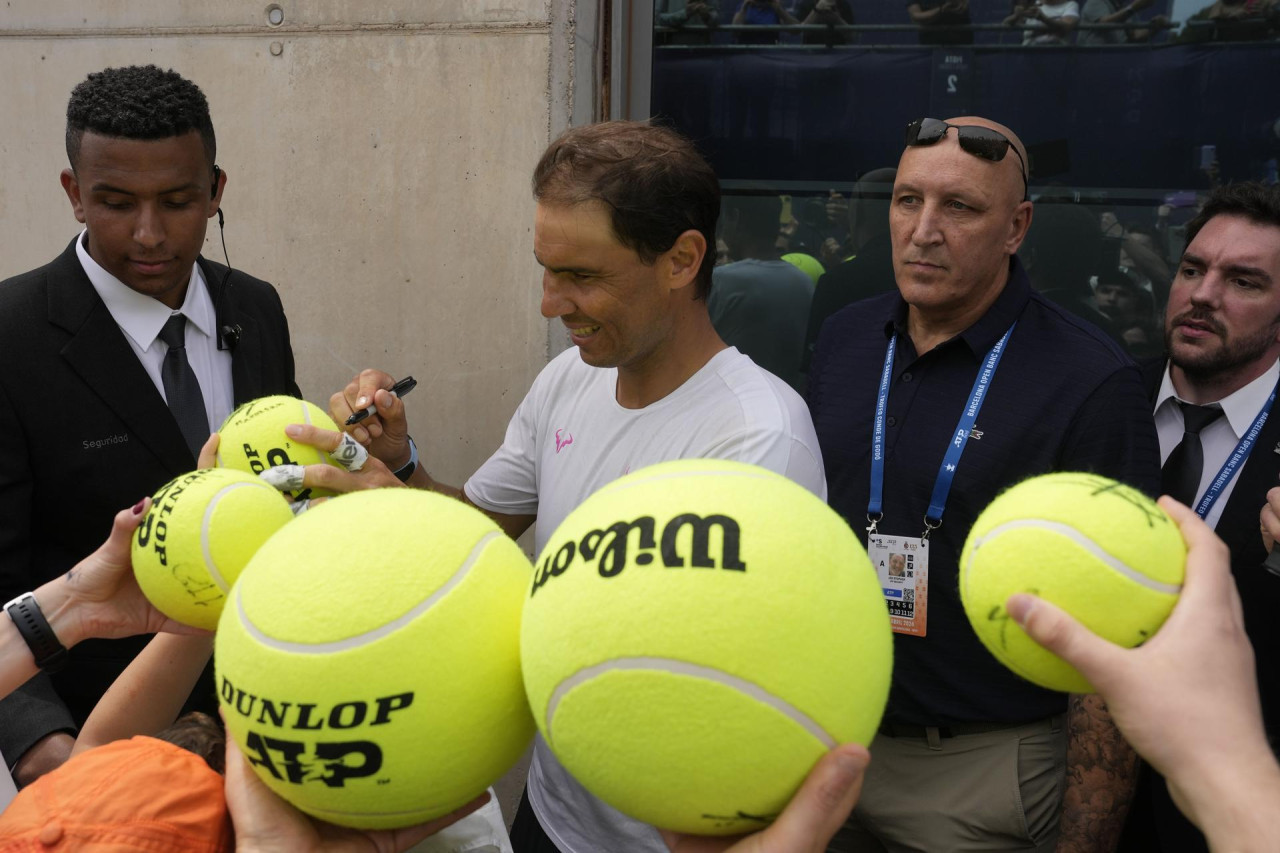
(1219,438)
(141,318)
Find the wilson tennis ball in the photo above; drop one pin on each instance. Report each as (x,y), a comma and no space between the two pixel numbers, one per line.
(252,438)
(697,635)
(1102,551)
(199,534)
(368,661)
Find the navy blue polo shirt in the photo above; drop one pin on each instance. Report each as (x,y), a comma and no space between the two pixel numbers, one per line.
(1064,398)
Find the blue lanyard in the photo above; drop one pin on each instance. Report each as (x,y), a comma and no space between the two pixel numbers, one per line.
(1235,460)
(951,461)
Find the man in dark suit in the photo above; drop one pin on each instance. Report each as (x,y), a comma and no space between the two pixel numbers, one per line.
(1215,392)
(117,360)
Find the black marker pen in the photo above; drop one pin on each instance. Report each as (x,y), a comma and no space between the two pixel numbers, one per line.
(404,386)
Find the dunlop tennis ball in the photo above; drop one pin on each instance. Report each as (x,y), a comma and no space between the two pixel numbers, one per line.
(200,532)
(1101,550)
(252,438)
(368,660)
(697,635)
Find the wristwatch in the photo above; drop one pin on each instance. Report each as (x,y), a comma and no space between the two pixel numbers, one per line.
(405,471)
(25,612)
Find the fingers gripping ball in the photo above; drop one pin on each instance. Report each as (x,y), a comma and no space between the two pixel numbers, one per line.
(1100,550)
(252,438)
(697,635)
(200,532)
(368,662)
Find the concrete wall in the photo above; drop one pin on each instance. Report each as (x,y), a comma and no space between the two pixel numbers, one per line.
(378,156)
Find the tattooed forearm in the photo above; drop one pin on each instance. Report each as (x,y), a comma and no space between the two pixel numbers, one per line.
(1101,770)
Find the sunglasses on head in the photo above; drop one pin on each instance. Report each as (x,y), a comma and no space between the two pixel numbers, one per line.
(977,140)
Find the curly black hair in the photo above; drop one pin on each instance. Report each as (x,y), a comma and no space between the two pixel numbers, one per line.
(138,102)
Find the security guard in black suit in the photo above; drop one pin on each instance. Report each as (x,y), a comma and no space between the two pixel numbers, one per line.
(94,415)
(1214,398)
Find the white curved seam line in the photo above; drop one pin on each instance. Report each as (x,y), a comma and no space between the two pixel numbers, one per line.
(209,564)
(1084,542)
(377,633)
(680,667)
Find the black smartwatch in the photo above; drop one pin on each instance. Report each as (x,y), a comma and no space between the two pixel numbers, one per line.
(25,612)
(405,471)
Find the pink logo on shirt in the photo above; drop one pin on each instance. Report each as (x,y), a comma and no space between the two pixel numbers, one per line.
(562,443)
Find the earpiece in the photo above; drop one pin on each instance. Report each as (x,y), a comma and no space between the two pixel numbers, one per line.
(228,333)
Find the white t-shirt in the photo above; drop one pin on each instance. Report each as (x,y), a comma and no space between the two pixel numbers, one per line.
(570,437)
(141,318)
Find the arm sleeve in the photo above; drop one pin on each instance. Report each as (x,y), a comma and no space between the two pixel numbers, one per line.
(30,713)
(776,433)
(1114,434)
(508,481)
(783,453)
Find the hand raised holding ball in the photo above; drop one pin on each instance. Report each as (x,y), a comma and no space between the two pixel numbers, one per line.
(698,635)
(1097,548)
(253,439)
(100,592)
(264,823)
(98,597)
(809,821)
(1187,699)
(369,473)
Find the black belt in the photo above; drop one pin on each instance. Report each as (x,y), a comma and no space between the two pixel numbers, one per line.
(954,730)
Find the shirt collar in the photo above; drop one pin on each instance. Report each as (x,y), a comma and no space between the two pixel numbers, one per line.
(1240,407)
(139,316)
(988,329)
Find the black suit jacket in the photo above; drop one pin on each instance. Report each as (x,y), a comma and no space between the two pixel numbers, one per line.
(1238,527)
(83,434)
(1260,595)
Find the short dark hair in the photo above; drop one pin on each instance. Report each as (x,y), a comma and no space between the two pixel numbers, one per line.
(138,102)
(653,180)
(199,733)
(1253,200)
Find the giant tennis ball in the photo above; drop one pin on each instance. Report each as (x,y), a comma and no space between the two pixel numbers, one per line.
(368,662)
(697,635)
(200,532)
(1102,551)
(252,438)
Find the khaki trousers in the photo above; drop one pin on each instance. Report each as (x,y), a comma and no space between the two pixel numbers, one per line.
(991,791)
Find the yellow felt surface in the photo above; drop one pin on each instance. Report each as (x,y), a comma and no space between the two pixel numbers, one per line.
(173,546)
(803,621)
(1126,525)
(342,570)
(682,753)
(252,437)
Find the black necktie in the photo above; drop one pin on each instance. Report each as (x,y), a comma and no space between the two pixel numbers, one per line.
(1180,476)
(181,388)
